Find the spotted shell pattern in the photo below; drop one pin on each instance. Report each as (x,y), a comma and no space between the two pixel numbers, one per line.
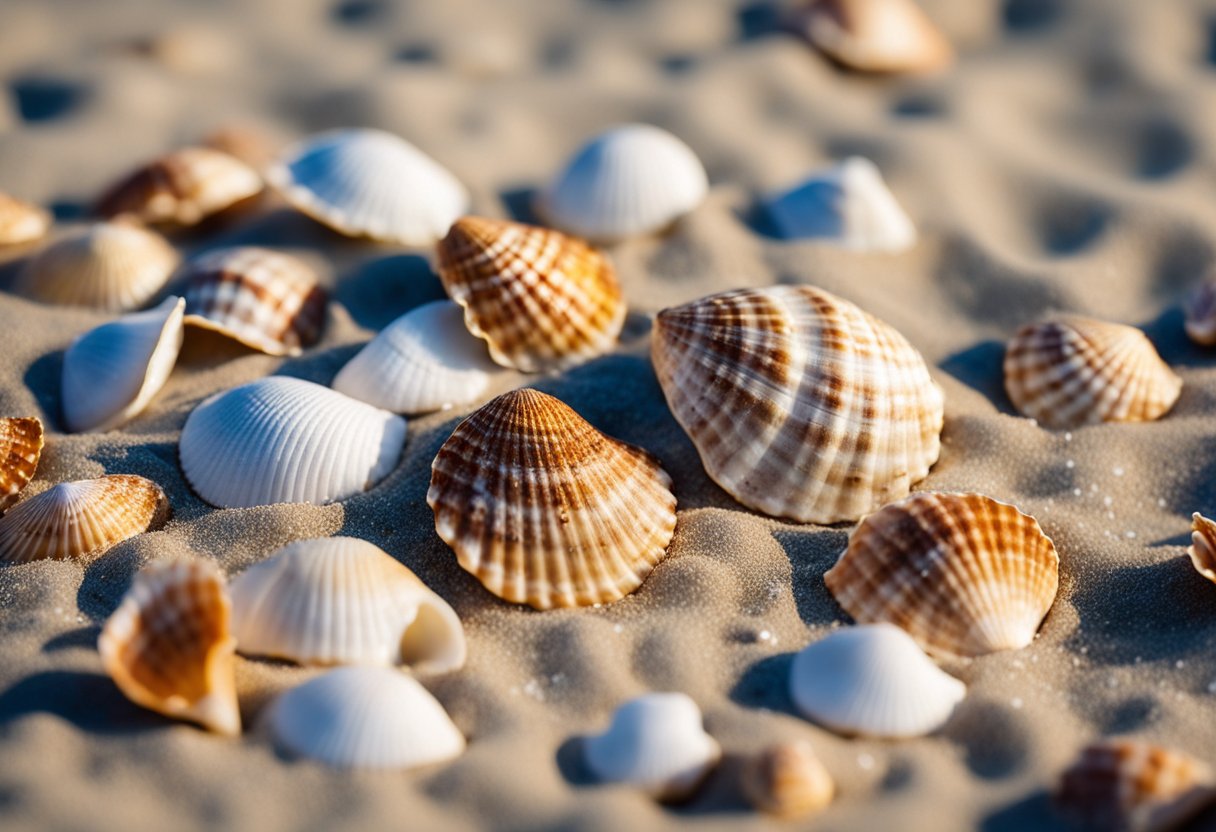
(182,188)
(20,448)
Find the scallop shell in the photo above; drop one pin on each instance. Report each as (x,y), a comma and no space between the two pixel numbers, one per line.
(631,180)
(425,360)
(1078,371)
(168,647)
(343,601)
(111,373)
(365,718)
(540,299)
(86,517)
(800,404)
(787,781)
(655,743)
(1201,313)
(182,188)
(266,300)
(286,440)
(963,574)
(21,221)
(20,449)
(546,510)
(876,35)
(368,183)
(1203,546)
(872,680)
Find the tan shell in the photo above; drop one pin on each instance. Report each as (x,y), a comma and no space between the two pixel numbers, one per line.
(1078,371)
(21,222)
(546,510)
(168,646)
(182,188)
(539,298)
(893,36)
(1201,313)
(800,404)
(1203,546)
(248,143)
(787,781)
(20,448)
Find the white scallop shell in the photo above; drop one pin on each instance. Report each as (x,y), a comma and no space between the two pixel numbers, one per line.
(425,360)
(286,440)
(364,717)
(111,373)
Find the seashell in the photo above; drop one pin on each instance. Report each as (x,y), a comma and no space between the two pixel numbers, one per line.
(86,517)
(893,36)
(248,143)
(21,221)
(343,601)
(1203,546)
(800,404)
(20,449)
(655,743)
(111,373)
(963,574)
(168,647)
(264,299)
(872,680)
(425,360)
(1078,371)
(787,781)
(366,718)
(540,299)
(1132,786)
(1201,313)
(182,188)
(631,180)
(113,266)
(849,205)
(286,440)
(546,510)
(368,183)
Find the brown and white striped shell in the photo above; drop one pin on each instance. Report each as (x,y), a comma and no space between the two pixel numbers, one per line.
(21,221)
(1203,546)
(546,510)
(20,448)
(540,299)
(182,188)
(1077,371)
(893,36)
(800,404)
(787,781)
(1201,313)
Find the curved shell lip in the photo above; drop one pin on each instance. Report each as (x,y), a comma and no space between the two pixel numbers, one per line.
(268,346)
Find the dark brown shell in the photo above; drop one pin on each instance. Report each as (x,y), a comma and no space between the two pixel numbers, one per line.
(182,188)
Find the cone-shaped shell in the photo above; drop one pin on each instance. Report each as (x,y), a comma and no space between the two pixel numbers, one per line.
(787,781)
(21,222)
(800,404)
(168,647)
(286,440)
(182,188)
(546,510)
(20,449)
(540,299)
(1201,313)
(1078,371)
(343,601)
(86,517)
(1203,546)
(876,35)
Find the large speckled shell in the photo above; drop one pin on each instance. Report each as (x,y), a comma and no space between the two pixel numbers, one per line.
(342,600)
(182,188)
(540,299)
(1078,371)
(21,221)
(168,647)
(1201,313)
(892,36)
(800,404)
(787,781)
(20,449)
(1203,546)
(546,510)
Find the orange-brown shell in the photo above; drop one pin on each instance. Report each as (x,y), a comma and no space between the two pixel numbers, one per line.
(1203,546)
(890,36)
(21,221)
(182,188)
(20,448)
(787,781)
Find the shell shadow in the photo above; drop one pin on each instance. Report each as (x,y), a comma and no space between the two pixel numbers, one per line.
(1031,15)
(81,637)
(570,762)
(994,743)
(1031,812)
(766,685)
(319,366)
(43,98)
(283,228)
(383,289)
(981,367)
(520,204)
(1168,334)
(89,701)
(813,552)
(42,378)
(759,19)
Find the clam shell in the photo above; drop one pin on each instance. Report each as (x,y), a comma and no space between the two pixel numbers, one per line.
(285,440)
(1201,313)
(168,647)
(182,188)
(21,221)
(1203,546)
(540,299)
(787,781)
(343,601)
(368,183)
(20,449)
(86,517)
(364,718)
(546,510)
(1078,371)
(800,404)
(892,36)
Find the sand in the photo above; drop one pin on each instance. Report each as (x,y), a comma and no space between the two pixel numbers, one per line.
(1064,164)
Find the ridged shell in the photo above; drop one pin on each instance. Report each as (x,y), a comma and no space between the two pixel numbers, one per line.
(343,601)
(168,647)
(364,718)
(21,221)
(655,743)
(425,360)
(540,299)
(963,574)
(20,449)
(266,300)
(111,373)
(1203,546)
(872,680)
(182,188)
(800,404)
(86,517)
(368,183)
(876,35)
(546,510)
(787,781)
(631,180)
(1201,313)
(1078,371)
(286,440)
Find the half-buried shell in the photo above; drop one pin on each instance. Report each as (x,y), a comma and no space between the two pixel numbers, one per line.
(1203,546)
(20,448)
(892,36)
(21,221)
(182,188)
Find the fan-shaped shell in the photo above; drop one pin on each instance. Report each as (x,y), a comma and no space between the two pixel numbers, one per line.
(182,188)
(1201,313)
(1078,371)
(21,221)
(540,299)
(876,35)
(343,601)
(1203,546)
(285,440)
(20,449)
(546,510)
(787,781)
(800,404)
(368,183)
(168,647)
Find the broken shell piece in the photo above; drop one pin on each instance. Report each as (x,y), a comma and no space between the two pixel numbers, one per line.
(20,449)
(893,36)
(21,221)
(1203,546)
(787,781)
(182,188)
(1201,313)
